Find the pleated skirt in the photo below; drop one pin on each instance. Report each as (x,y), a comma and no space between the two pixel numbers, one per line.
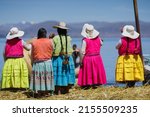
(42,76)
(63,74)
(15,74)
(129,68)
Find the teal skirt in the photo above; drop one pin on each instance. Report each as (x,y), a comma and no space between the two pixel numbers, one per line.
(42,76)
(63,74)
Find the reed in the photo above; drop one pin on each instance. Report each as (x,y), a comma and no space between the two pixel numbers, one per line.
(76,93)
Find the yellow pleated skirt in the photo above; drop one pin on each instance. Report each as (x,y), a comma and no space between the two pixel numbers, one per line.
(15,74)
(129,68)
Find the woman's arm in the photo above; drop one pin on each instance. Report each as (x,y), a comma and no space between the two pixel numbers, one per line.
(83,48)
(26,46)
(101,41)
(118,44)
(52,44)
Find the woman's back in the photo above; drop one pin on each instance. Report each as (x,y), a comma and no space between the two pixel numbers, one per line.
(42,49)
(92,45)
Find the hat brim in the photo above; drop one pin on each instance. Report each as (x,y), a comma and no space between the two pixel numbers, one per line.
(61,27)
(19,34)
(95,34)
(135,36)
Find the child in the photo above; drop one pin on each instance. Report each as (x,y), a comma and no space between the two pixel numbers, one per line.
(15,71)
(42,71)
(129,67)
(92,72)
(63,65)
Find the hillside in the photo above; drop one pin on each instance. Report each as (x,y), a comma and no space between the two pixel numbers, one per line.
(106,29)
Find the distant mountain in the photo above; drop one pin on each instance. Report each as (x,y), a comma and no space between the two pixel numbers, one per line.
(4,29)
(106,29)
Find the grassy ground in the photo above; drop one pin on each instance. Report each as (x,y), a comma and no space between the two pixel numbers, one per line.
(76,93)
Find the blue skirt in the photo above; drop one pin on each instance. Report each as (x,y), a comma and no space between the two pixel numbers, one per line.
(63,74)
(42,76)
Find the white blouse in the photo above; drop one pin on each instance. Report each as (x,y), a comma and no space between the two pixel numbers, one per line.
(26,46)
(118,44)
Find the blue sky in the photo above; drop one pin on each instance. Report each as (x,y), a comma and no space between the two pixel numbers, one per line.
(14,11)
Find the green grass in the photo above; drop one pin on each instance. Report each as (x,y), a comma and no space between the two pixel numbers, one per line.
(76,93)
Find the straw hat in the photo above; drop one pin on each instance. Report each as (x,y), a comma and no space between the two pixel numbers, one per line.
(61,25)
(128,31)
(88,31)
(14,32)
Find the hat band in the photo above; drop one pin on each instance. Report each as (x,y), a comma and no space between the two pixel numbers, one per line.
(13,32)
(130,31)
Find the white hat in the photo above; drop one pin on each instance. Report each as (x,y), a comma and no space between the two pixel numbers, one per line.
(89,27)
(61,25)
(128,31)
(14,32)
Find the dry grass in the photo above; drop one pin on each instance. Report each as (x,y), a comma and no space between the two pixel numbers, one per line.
(76,93)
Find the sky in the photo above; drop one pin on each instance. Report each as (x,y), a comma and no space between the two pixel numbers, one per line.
(14,11)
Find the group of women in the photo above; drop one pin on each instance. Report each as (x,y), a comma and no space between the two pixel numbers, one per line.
(53,69)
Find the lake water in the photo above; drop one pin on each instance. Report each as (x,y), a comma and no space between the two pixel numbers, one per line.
(108,52)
